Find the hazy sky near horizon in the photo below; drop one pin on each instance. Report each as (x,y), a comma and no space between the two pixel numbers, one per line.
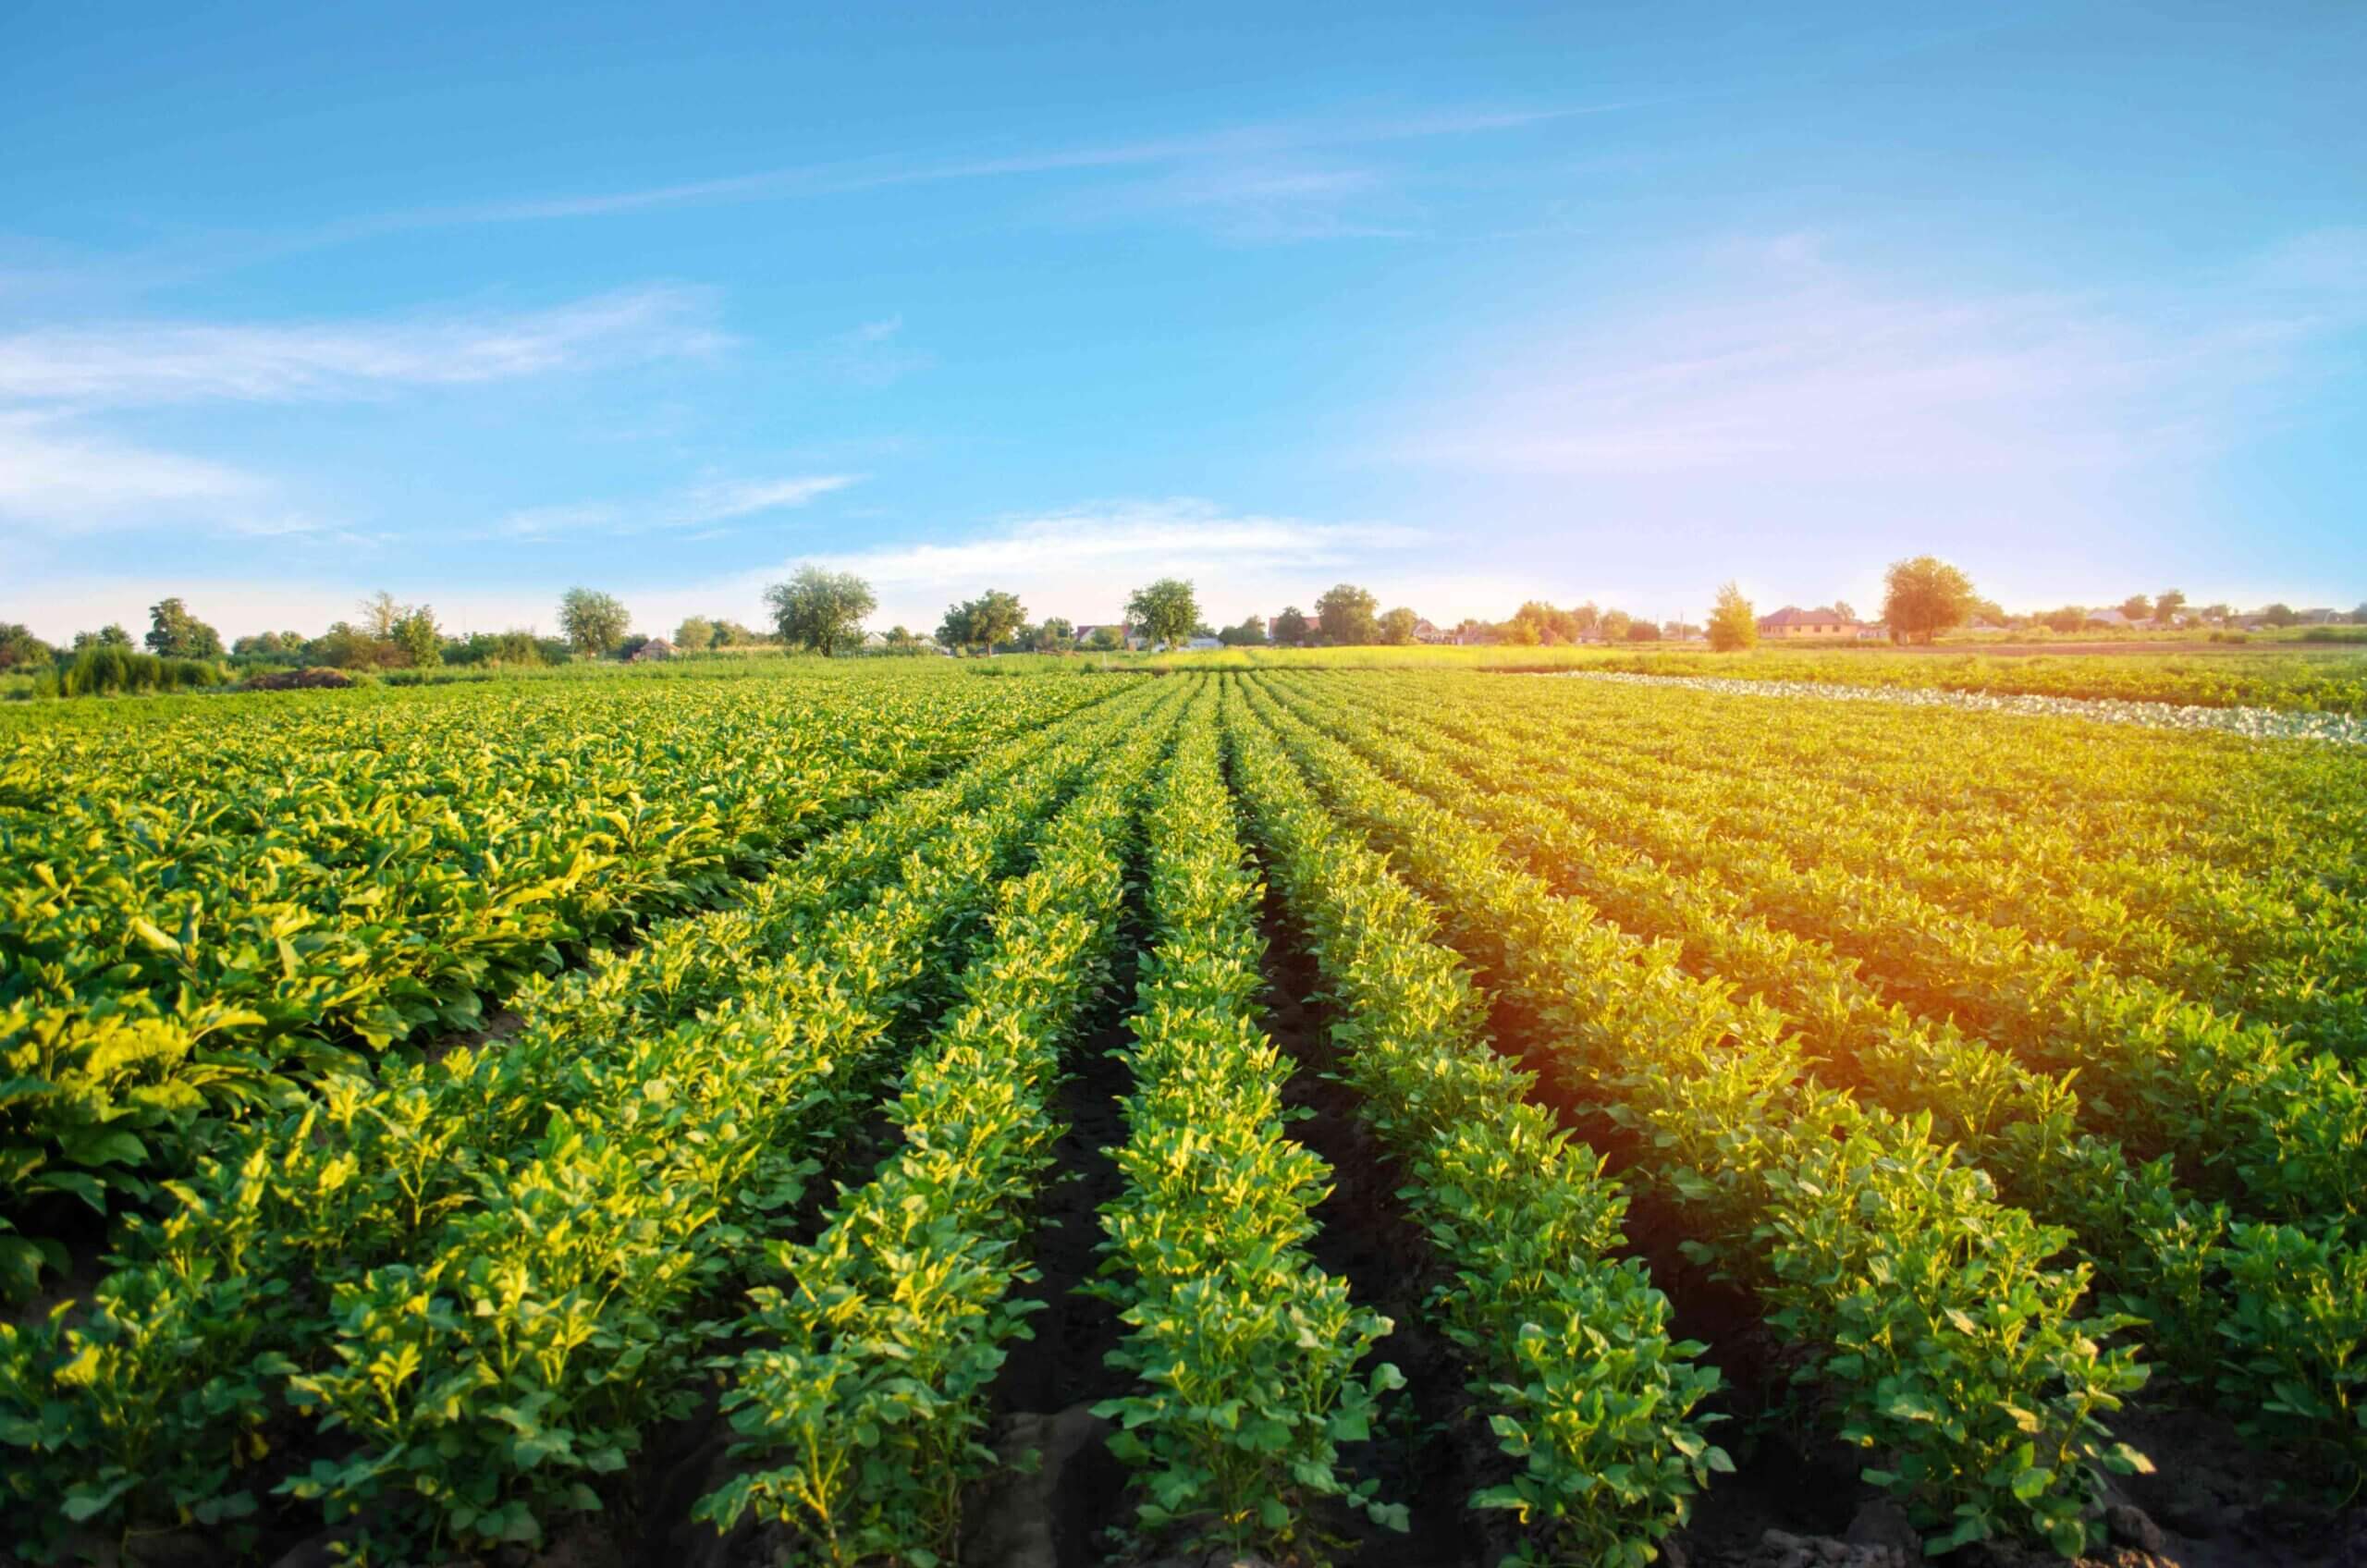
(1466,304)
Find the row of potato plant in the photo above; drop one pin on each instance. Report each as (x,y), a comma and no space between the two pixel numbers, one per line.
(2278,945)
(194,912)
(1932,1328)
(1574,1367)
(860,1407)
(2252,1113)
(152,1405)
(2226,1325)
(1245,1350)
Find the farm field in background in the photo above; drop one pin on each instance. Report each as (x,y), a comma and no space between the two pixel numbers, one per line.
(1340,1107)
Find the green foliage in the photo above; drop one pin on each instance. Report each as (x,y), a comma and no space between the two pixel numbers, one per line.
(1164,612)
(1346,614)
(1732,624)
(174,633)
(981,623)
(1290,630)
(820,610)
(593,623)
(1396,627)
(1924,597)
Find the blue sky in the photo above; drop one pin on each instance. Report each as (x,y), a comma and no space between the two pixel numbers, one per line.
(1467,304)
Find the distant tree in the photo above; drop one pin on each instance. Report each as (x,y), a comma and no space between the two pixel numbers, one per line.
(903,639)
(1553,625)
(1732,624)
(1290,628)
(1840,607)
(2070,618)
(820,610)
(1165,611)
(1106,640)
(1586,617)
(174,633)
(593,623)
(2220,613)
(1519,633)
(347,646)
(1643,631)
(2280,614)
(379,615)
(2359,616)
(1396,627)
(1615,624)
(697,634)
(1250,633)
(2137,607)
(110,635)
(417,638)
(731,635)
(1056,635)
(19,649)
(1924,597)
(982,623)
(2166,605)
(1346,613)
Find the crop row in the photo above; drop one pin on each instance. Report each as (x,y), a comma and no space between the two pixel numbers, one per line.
(2279,945)
(1943,1341)
(2275,1125)
(189,916)
(1244,1352)
(573,1187)
(860,1407)
(2234,1310)
(1573,1361)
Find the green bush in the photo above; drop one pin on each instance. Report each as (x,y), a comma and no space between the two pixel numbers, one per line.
(103,670)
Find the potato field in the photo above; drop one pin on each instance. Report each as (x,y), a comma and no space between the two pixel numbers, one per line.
(864,1112)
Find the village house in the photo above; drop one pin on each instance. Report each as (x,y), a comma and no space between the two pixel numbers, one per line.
(1793,621)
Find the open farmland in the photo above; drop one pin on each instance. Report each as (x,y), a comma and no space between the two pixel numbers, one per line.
(1404,1115)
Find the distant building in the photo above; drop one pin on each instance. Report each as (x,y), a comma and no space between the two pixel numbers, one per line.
(2109,618)
(1202,643)
(1793,621)
(656,648)
(1424,631)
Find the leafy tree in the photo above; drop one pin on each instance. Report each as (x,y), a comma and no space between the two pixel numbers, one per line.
(1840,607)
(593,623)
(1553,625)
(2280,614)
(110,635)
(1056,635)
(1290,628)
(1347,615)
(2218,612)
(2166,605)
(19,649)
(417,638)
(1396,627)
(1520,633)
(1732,624)
(1614,625)
(2070,618)
(1586,617)
(1643,631)
(1165,611)
(1924,597)
(1250,633)
(982,623)
(1104,640)
(821,610)
(2137,607)
(695,634)
(174,633)
(381,614)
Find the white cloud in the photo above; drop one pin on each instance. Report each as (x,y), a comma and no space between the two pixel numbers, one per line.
(699,506)
(60,478)
(1082,563)
(146,363)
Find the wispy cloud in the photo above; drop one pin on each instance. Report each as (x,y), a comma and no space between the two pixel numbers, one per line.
(123,364)
(55,477)
(698,506)
(1081,562)
(1777,365)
